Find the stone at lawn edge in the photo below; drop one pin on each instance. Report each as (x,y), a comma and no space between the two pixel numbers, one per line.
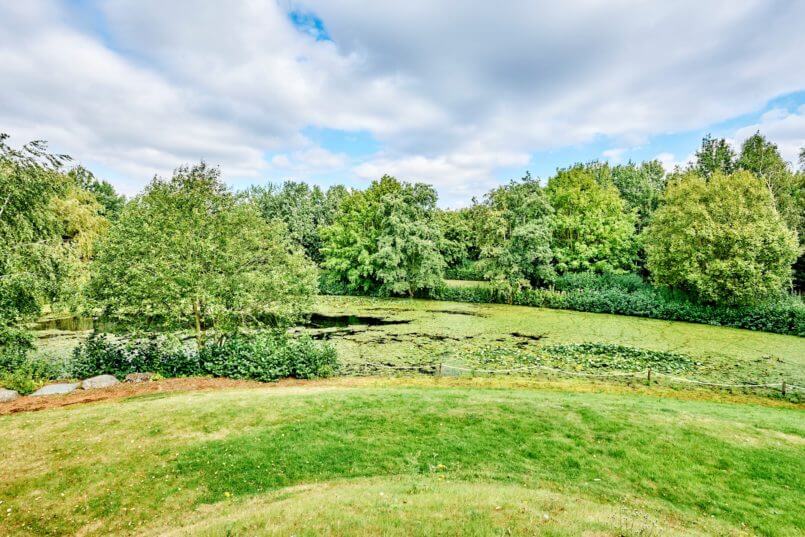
(139,377)
(101,381)
(7,395)
(56,389)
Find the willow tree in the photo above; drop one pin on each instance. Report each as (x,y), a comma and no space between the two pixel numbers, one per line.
(385,240)
(188,254)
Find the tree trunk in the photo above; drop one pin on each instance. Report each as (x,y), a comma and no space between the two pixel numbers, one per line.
(199,331)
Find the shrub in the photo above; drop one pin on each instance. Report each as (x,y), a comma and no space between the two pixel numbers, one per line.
(269,356)
(784,316)
(100,355)
(264,356)
(29,374)
(469,270)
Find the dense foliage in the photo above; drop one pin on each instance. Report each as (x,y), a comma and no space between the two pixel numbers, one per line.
(515,232)
(592,228)
(785,316)
(189,255)
(721,239)
(304,210)
(264,356)
(385,240)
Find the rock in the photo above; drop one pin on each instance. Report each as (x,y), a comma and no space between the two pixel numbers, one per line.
(139,377)
(7,395)
(56,389)
(101,381)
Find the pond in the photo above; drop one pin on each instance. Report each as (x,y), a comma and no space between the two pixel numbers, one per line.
(317,320)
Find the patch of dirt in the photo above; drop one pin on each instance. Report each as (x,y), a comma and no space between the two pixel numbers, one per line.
(122,390)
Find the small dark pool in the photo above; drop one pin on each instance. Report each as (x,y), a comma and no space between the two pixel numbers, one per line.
(318,320)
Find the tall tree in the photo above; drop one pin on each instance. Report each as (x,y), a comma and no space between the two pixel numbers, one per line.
(641,187)
(385,240)
(187,254)
(592,228)
(305,210)
(32,253)
(515,237)
(111,202)
(715,155)
(721,240)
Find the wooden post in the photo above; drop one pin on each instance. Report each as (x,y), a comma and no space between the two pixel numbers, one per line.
(440,370)
(649,376)
(783,388)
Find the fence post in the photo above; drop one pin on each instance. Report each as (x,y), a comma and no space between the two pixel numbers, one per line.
(649,376)
(440,369)
(783,388)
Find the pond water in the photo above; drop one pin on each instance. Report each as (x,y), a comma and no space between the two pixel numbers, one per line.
(66,324)
(317,320)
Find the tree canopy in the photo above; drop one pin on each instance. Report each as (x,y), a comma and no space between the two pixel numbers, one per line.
(515,233)
(385,239)
(592,229)
(188,254)
(722,240)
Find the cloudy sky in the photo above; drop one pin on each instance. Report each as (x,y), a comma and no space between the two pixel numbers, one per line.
(343,91)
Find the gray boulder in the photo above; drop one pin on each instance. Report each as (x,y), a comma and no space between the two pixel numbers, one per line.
(56,389)
(101,381)
(7,395)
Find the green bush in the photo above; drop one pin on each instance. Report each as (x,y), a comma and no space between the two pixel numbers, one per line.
(30,374)
(264,356)
(784,316)
(466,271)
(100,355)
(269,356)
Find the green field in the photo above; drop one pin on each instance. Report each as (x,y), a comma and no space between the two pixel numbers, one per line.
(403,459)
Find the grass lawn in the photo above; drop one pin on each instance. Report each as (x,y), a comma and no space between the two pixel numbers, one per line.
(401,457)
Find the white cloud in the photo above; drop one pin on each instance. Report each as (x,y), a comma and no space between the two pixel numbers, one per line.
(614,155)
(453,93)
(784,128)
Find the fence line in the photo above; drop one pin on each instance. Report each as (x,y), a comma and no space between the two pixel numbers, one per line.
(648,373)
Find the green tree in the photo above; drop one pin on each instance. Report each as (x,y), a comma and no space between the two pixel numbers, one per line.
(592,229)
(187,254)
(111,202)
(459,245)
(305,210)
(515,237)
(385,240)
(641,187)
(762,158)
(715,155)
(32,251)
(721,240)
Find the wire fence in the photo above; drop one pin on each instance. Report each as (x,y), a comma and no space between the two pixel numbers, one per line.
(447,369)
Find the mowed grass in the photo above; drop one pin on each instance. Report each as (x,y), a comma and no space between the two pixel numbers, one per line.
(403,459)
(473,334)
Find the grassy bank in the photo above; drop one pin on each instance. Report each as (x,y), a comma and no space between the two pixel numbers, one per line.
(399,459)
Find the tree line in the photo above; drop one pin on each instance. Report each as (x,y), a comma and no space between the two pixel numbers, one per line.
(189,254)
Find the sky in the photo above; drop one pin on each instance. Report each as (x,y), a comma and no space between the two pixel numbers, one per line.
(461,95)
